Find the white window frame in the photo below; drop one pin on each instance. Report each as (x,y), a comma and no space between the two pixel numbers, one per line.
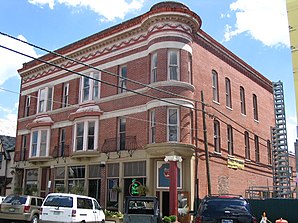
(153,75)
(122,82)
(173,65)
(65,96)
(230,140)
(217,143)
(27,105)
(242,100)
(45,101)
(170,125)
(91,87)
(121,133)
(39,132)
(228,93)
(215,90)
(152,130)
(85,134)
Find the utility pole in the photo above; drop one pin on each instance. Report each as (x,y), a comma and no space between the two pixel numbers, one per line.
(206,144)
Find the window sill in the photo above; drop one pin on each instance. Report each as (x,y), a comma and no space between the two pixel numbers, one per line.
(39,159)
(85,154)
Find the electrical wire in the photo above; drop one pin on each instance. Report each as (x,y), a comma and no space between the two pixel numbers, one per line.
(110,73)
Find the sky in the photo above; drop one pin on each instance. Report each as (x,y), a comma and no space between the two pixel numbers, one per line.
(254,30)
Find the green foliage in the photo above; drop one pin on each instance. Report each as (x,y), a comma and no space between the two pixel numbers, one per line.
(168,219)
(60,189)
(77,189)
(113,214)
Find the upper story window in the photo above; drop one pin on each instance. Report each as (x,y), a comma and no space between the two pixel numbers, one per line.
(255,107)
(65,94)
(257,149)
(247,146)
(228,93)
(153,68)
(61,149)
(40,143)
(152,130)
(189,68)
(90,87)
(230,140)
(173,125)
(45,99)
(217,136)
(23,148)
(215,86)
(121,133)
(86,135)
(27,105)
(242,101)
(122,79)
(173,65)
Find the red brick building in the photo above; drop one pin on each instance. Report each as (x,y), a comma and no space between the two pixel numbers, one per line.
(106,116)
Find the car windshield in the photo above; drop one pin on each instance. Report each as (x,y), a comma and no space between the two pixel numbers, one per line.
(221,205)
(15,199)
(59,201)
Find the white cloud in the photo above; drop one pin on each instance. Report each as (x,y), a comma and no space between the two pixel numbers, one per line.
(11,61)
(8,125)
(264,20)
(111,10)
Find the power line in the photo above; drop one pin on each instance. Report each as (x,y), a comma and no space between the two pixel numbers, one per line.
(116,75)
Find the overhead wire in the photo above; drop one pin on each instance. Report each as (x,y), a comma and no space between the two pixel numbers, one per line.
(119,76)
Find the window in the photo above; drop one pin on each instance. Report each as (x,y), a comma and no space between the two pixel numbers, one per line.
(45,99)
(269,152)
(189,68)
(230,140)
(247,147)
(228,93)
(76,177)
(27,105)
(217,136)
(61,143)
(152,131)
(255,107)
(242,101)
(40,143)
(173,125)
(86,133)
(257,149)
(65,95)
(173,65)
(122,79)
(154,67)
(215,86)
(23,148)
(122,133)
(90,87)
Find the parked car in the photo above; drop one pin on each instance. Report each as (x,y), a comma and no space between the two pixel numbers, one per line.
(141,209)
(224,209)
(1,199)
(63,207)
(21,208)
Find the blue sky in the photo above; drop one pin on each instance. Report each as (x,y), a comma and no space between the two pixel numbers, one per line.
(256,31)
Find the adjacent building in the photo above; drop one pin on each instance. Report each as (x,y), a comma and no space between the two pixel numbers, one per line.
(7,147)
(101,114)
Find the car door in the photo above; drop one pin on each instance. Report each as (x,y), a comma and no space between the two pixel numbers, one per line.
(98,212)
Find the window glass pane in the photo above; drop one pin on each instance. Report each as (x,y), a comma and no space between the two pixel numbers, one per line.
(95,86)
(42,98)
(49,99)
(91,126)
(80,136)
(173,65)
(86,88)
(43,143)
(173,116)
(76,172)
(34,143)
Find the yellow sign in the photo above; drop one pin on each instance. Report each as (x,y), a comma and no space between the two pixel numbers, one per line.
(235,163)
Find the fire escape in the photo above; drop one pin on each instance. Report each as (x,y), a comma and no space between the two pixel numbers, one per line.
(280,156)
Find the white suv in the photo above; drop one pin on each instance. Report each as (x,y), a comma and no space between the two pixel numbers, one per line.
(65,207)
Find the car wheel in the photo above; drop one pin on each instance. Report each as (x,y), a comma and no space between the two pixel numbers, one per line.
(34,219)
